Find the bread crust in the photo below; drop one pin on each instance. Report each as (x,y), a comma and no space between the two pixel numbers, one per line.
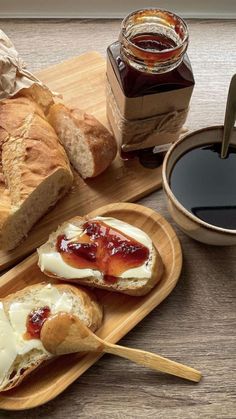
(101,143)
(24,374)
(128,288)
(5,204)
(39,152)
(5,201)
(89,302)
(30,153)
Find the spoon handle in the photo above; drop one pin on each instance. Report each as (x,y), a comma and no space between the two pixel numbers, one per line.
(153,361)
(230,116)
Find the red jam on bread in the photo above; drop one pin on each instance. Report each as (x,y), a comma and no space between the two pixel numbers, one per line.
(103,248)
(35,322)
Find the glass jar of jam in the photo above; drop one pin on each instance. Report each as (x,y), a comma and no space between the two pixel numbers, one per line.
(149,83)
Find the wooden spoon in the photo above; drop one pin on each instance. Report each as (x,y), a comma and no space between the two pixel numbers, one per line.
(65,333)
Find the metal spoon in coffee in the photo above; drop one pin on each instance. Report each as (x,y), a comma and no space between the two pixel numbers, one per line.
(230,116)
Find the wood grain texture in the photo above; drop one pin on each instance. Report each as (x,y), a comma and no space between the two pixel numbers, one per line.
(197,321)
(121,312)
(81,81)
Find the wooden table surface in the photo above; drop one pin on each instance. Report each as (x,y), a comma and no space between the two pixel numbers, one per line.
(196,323)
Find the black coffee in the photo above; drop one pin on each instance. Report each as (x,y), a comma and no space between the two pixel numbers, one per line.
(205,184)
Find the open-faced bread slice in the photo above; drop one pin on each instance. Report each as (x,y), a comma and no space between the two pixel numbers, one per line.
(123,259)
(21,352)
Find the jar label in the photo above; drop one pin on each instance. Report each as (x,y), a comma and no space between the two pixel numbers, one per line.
(145,121)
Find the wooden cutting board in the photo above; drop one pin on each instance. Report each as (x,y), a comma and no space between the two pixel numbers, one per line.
(81,81)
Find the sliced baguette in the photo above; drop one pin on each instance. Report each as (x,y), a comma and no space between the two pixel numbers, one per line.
(133,285)
(83,305)
(35,170)
(89,145)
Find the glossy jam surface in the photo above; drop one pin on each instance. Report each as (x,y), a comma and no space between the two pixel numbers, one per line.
(136,83)
(103,248)
(153,42)
(35,322)
(205,184)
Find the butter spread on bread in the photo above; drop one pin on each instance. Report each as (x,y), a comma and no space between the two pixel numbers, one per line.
(118,257)
(34,169)
(90,146)
(20,353)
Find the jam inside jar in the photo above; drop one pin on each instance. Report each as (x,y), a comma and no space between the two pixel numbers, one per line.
(150,57)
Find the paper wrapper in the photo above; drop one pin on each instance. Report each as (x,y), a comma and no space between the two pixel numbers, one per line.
(15,79)
(145,121)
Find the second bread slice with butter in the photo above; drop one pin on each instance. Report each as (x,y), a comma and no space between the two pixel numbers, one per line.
(133,281)
(20,355)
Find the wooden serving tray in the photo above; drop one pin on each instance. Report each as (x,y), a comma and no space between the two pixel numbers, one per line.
(81,81)
(121,312)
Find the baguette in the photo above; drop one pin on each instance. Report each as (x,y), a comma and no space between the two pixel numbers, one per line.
(89,145)
(34,170)
(137,281)
(18,356)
